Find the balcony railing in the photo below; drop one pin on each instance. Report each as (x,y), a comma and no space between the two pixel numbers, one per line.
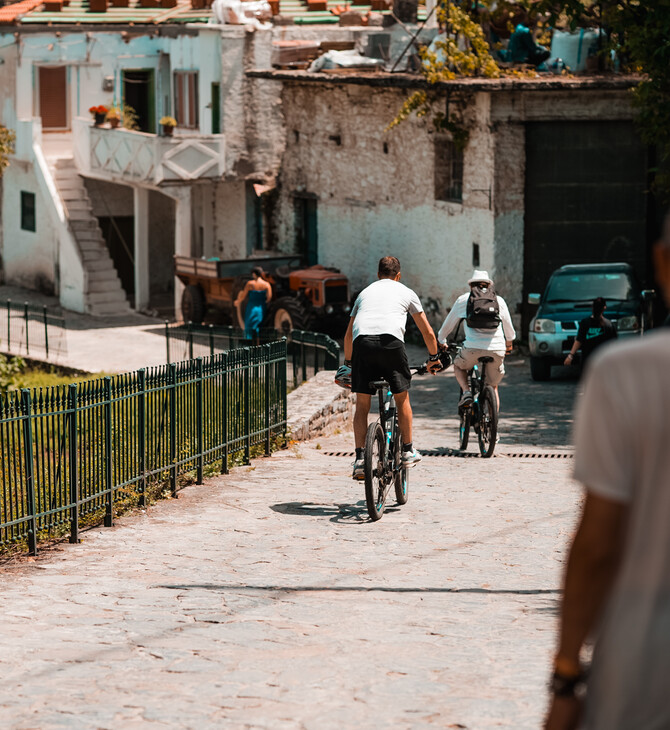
(122,155)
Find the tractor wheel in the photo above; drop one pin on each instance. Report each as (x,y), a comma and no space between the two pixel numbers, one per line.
(287,314)
(193,304)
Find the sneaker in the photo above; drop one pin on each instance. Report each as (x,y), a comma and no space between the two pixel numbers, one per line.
(466,399)
(359,470)
(410,458)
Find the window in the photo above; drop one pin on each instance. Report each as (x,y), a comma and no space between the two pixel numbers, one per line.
(186,98)
(448,170)
(28,211)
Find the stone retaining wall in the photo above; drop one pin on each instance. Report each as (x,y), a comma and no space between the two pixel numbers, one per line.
(318,407)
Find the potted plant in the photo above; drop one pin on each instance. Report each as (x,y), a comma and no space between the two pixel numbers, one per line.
(113,116)
(99,113)
(168,124)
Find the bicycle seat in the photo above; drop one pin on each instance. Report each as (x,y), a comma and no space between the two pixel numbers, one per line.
(485,359)
(377,384)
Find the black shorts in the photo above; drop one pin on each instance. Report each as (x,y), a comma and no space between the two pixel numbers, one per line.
(379,357)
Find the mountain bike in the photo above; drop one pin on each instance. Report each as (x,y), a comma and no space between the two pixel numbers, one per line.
(482,413)
(383,451)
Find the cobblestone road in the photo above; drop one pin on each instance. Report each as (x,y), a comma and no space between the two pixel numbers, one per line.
(266,599)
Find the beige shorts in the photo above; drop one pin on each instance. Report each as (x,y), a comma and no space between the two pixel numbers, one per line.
(468,356)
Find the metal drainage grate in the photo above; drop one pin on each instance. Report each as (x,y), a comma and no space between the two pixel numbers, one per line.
(466,454)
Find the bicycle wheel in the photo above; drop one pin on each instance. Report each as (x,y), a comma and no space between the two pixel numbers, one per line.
(375,448)
(464,427)
(488,422)
(400,473)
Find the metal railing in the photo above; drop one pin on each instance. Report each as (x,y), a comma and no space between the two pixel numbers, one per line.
(71,455)
(310,352)
(307,352)
(26,329)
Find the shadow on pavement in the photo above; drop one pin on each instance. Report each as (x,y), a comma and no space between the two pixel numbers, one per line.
(357,589)
(346,513)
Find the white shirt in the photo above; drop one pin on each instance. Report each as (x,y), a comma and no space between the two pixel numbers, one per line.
(622,439)
(382,308)
(479,339)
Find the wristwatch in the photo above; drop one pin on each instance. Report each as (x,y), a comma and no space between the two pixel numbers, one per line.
(563,686)
(434,358)
(347,363)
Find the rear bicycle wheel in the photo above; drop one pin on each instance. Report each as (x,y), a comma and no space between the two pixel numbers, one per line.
(375,473)
(488,422)
(400,473)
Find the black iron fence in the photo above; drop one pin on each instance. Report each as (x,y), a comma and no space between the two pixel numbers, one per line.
(71,455)
(307,352)
(29,330)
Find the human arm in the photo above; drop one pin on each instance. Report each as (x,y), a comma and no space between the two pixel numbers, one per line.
(506,321)
(243,293)
(349,341)
(429,338)
(450,323)
(593,563)
(571,355)
(268,293)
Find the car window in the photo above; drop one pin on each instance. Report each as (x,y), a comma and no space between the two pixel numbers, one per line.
(584,287)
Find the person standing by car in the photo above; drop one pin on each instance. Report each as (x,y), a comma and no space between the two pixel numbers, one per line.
(374,348)
(593,332)
(488,332)
(617,582)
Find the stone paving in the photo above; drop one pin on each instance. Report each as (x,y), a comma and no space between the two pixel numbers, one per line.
(266,599)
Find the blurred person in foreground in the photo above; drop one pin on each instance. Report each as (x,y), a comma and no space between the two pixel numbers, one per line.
(617,583)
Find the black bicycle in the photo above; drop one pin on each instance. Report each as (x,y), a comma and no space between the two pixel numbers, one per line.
(482,413)
(382,461)
(383,450)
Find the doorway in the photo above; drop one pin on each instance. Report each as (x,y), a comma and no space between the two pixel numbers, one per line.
(139,93)
(216,108)
(52,82)
(306,232)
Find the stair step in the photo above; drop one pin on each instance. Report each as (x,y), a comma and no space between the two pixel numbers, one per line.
(114,311)
(106,297)
(100,266)
(84,224)
(108,274)
(103,286)
(94,254)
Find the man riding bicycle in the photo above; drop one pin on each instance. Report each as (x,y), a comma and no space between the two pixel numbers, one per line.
(374,349)
(489,332)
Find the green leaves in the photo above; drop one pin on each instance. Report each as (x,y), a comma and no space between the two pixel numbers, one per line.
(7,139)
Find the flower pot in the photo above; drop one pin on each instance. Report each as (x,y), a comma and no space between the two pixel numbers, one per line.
(99,119)
(167,130)
(113,122)
(97,6)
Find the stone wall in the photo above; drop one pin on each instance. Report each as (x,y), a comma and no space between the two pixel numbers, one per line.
(318,407)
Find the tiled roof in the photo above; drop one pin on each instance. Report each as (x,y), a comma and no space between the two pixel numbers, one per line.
(78,12)
(9,13)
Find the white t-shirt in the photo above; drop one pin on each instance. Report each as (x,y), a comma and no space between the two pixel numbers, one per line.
(622,438)
(382,308)
(479,339)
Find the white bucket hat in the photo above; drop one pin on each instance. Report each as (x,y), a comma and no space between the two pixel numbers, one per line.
(478,275)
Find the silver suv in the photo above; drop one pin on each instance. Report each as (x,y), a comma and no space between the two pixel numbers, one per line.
(568,299)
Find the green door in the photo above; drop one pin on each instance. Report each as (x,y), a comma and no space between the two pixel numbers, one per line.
(306,229)
(139,92)
(216,108)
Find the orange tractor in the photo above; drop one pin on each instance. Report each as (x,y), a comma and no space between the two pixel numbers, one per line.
(314,297)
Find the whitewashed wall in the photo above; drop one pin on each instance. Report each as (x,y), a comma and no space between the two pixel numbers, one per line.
(373,202)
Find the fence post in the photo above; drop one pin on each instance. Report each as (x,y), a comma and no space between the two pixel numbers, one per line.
(199,420)
(284,391)
(30,481)
(74,475)
(266,355)
(46,331)
(9,325)
(190,341)
(211,340)
(25,314)
(224,417)
(167,339)
(141,427)
(247,407)
(173,429)
(109,502)
(303,358)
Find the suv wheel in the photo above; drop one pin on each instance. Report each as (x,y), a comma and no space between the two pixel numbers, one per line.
(540,368)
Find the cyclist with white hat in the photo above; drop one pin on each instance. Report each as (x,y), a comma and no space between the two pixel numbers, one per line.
(488,332)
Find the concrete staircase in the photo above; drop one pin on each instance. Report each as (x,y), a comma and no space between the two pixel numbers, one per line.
(104,295)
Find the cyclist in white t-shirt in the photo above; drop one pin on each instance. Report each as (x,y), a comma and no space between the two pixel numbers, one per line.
(374,349)
(478,343)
